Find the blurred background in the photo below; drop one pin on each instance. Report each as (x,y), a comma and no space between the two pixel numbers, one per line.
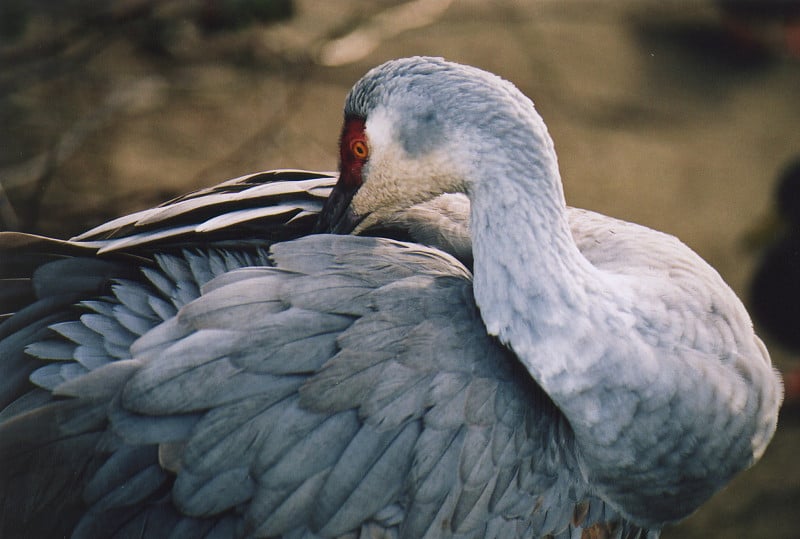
(680,115)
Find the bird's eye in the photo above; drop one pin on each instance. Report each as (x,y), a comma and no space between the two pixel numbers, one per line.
(359,149)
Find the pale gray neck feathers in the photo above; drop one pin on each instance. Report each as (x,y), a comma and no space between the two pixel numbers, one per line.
(531,282)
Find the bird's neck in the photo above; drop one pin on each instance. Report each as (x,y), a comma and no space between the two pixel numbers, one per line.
(531,281)
(569,324)
(581,334)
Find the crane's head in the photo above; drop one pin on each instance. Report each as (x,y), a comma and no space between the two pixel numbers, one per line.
(414,129)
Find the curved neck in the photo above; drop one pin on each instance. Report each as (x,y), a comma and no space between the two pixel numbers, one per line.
(531,281)
(581,335)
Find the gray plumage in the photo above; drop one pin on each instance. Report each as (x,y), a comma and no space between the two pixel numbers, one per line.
(217,372)
(275,389)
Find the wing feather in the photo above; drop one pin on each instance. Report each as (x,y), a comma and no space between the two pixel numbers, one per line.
(278,511)
(373,486)
(51,349)
(128,477)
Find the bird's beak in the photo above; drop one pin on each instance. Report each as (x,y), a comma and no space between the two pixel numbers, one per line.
(337,217)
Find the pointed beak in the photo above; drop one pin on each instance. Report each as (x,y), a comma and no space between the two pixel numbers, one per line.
(337,217)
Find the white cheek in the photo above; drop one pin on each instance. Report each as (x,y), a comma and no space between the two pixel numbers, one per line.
(385,183)
(379,128)
(393,179)
(384,173)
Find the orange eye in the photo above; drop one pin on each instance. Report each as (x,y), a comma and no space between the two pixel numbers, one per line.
(359,149)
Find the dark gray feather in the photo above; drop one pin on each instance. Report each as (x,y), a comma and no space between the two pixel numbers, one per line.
(51,349)
(113,483)
(380,484)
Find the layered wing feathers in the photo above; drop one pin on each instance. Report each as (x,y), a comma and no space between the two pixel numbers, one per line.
(333,387)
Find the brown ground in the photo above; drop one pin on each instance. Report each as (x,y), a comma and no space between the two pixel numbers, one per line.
(656,119)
